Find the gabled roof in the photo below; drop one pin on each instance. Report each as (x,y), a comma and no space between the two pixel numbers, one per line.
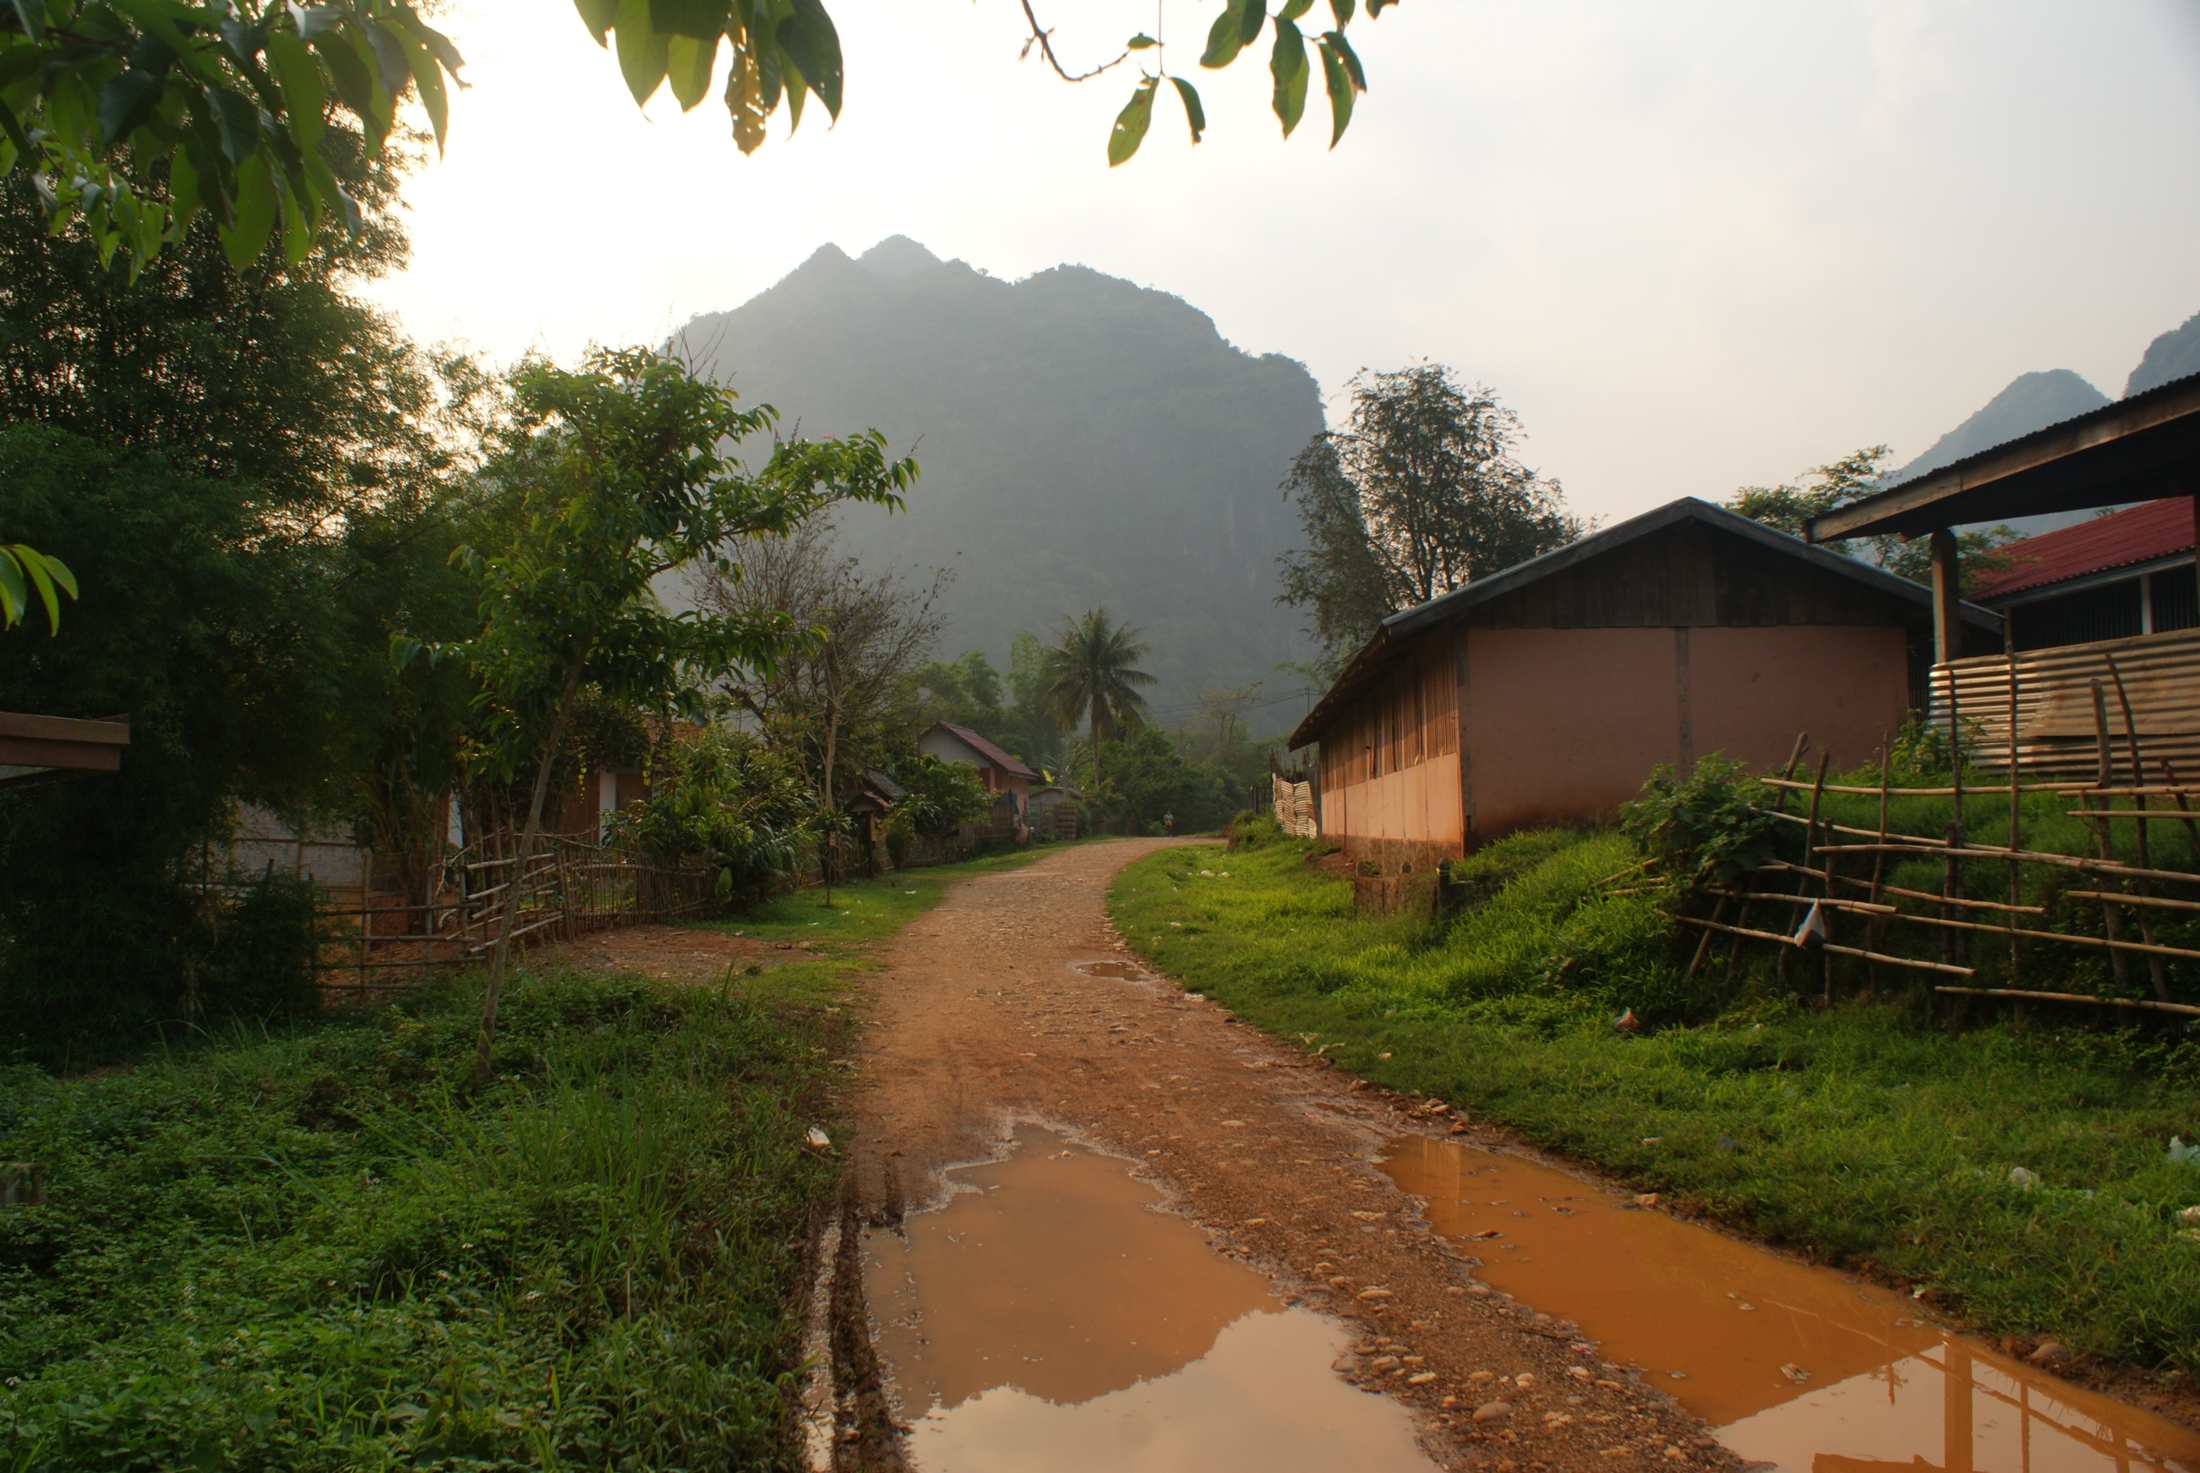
(1407,622)
(2130,450)
(985,749)
(2121,539)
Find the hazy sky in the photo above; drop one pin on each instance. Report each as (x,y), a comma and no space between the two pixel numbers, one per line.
(1695,245)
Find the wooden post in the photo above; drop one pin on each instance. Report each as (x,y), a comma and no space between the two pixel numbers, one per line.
(1779,804)
(2016,810)
(1947,600)
(1951,882)
(1879,874)
(2156,971)
(1810,842)
(2111,920)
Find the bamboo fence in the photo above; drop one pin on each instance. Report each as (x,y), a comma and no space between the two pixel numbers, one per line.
(570,886)
(1844,867)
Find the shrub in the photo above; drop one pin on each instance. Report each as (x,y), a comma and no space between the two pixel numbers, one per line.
(937,797)
(730,801)
(1705,827)
(1251,829)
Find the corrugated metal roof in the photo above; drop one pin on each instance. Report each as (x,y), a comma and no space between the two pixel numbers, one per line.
(988,751)
(2138,534)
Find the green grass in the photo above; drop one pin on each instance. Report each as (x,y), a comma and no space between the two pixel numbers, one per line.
(865,910)
(323,1250)
(1865,1135)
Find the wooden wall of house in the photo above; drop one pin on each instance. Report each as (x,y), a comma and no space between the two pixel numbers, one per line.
(1690,574)
(1390,765)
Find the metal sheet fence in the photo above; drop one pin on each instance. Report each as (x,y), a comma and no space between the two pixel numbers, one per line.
(2043,699)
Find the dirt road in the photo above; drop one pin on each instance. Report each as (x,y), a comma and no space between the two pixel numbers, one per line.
(982,1016)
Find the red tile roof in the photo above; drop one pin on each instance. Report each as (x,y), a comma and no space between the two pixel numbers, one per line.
(2138,534)
(988,751)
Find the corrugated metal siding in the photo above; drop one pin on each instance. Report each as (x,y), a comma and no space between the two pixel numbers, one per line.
(2054,704)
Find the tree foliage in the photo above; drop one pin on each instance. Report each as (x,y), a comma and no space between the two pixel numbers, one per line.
(616,473)
(1091,674)
(737,804)
(134,116)
(1792,505)
(1421,493)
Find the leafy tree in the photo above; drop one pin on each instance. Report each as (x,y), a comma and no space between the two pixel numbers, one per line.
(833,694)
(1092,674)
(740,805)
(1420,494)
(618,475)
(1791,505)
(225,657)
(936,796)
(1149,776)
(135,115)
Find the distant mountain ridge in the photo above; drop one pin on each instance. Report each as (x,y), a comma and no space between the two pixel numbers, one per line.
(1084,442)
(2033,401)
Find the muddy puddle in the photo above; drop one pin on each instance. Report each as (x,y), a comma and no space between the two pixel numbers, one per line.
(1796,1367)
(1047,1317)
(1120,971)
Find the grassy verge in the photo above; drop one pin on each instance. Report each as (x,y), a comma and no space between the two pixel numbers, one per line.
(1864,1135)
(321,1250)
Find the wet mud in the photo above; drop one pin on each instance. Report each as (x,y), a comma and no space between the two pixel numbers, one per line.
(1048,1315)
(1120,971)
(1798,1368)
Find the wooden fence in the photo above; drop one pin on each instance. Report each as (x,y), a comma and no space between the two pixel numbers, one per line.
(570,886)
(1837,899)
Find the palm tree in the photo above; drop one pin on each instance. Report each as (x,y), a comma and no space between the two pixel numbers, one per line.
(1091,673)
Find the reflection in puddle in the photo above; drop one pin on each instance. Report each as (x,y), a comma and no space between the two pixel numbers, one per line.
(1050,1319)
(1121,971)
(1801,1368)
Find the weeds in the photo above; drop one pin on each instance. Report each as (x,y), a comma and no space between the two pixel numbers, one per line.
(1864,1134)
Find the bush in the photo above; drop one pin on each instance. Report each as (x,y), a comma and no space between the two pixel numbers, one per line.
(727,800)
(1704,828)
(937,797)
(1252,829)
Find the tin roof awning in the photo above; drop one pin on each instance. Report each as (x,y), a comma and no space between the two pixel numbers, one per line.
(33,747)
(2136,449)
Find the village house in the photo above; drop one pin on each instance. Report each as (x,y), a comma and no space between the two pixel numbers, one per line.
(1001,773)
(1548,692)
(2113,576)
(2108,600)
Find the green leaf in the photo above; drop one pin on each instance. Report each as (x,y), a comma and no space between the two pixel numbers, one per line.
(183,190)
(31,15)
(11,127)
(305,94)
(315,21)
(239,120)
(355,84)
(14,592)
(699,20)
(1342,10)
(244,240)
(428,78)
(439,45)
(1252,15)
(1131,123)
(688,67)
(1293,9)
(813,45)
(125,103)
(34,566)
(1351,60)
(1287,65)
(598,16)
(297,231)
(1140,42)
(1339,83)
(1194,114)
(1224,40)
(642,52)
(389,58)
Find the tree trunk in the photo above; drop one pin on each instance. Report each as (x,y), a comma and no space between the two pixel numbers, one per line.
(501,961)
(825,790)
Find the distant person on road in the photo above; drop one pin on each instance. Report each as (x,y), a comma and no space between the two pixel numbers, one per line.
(1168,823)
